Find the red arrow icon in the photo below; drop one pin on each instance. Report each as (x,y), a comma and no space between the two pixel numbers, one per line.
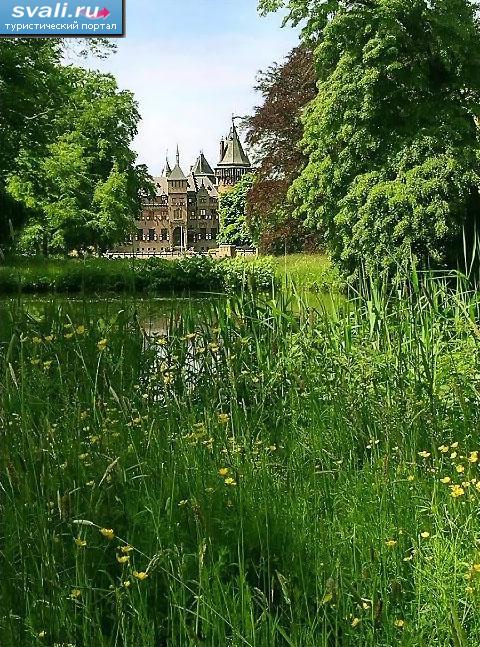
(103,13)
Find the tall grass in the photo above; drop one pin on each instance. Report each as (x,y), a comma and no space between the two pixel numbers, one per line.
(259,472)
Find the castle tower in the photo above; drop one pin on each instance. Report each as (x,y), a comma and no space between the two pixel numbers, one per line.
(177,205)
(234,162)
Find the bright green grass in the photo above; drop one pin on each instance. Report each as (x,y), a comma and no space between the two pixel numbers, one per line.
(264,460)
(312,271)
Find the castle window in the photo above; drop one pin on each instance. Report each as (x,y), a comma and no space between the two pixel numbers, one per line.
(214,234)
(203,212)
(151,234)
(164,234)
(139,234)
(202,235)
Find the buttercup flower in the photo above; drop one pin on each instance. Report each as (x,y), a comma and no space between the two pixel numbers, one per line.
(107,533)
(102,344)
(457,491)
(140,575)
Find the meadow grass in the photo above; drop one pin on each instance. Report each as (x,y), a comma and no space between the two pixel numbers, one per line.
(314,272)
(258,472)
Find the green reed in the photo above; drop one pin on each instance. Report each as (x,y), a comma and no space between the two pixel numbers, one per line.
(251,471)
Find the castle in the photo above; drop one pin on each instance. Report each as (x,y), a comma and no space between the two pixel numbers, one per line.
(183,213)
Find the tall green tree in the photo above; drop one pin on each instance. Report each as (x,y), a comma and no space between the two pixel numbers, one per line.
(82,188)
(392,138)
(30,94)
(232,209)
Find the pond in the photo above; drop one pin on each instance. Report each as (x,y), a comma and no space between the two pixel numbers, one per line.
(155,315)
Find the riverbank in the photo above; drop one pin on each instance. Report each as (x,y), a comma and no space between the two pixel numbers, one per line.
(152,276)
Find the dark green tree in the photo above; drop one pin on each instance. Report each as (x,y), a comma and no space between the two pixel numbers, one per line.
(392,136)
(232,208)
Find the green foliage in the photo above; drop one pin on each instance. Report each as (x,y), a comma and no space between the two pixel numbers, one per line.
(232,208)
(82,187)
(155,275)
(275,468)
(391,138)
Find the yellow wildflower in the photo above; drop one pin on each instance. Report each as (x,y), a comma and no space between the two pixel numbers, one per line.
(454,445)
(477,485)
(81,543)
(443,448)
(127,584)
(102,344)
(390,543)
(425,535)
(399,623)
(410,478)
(49,338)
(453,455)
(473,458)
(223,471)
(107,533)
(42,634)
(460,469)
(37,340)
(457,491)
(69,335)
(355,622)
(127,549)
(230,481)
(123,559)
(424,454)
(140,575)
(476,568)
(76,593)
(80,330)
(223,418)
(446,479)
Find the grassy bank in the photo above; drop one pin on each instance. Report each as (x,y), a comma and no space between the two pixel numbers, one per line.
(153,276)
(314,272)
(261,473)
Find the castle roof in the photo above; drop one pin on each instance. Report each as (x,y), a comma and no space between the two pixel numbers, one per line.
(202,167)
(196,183)
(234,154)
(177,173)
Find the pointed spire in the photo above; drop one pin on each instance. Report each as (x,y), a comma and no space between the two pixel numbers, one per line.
(167,170)
(177,173)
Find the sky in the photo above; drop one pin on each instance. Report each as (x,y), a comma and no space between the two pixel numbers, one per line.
(192,64)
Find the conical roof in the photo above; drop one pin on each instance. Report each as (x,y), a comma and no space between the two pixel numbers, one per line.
(177,173)
(167,170)
(202,167)
(234,154)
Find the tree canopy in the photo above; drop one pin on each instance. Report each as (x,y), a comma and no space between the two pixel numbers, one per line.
(391,138)
(232,208)
(274,131)
(68,177)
